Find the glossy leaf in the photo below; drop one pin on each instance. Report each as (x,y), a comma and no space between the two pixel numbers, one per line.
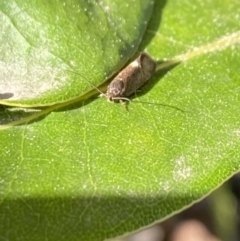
(42,42)
(92,170)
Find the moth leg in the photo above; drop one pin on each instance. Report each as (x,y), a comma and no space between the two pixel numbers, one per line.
(124,104)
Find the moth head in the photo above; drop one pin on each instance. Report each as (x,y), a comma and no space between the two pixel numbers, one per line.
(114,90)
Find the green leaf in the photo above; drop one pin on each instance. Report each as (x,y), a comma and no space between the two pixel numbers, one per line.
(92,170)
(41,41)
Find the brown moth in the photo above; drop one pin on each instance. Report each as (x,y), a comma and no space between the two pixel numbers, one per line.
(131,78)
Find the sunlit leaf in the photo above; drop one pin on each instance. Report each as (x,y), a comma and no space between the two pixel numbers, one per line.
(92,170)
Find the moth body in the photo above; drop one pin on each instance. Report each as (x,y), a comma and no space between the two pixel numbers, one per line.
(131,78)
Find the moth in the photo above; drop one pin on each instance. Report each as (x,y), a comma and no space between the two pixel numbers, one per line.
(130,79)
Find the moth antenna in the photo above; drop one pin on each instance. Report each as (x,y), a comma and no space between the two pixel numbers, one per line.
(93,85)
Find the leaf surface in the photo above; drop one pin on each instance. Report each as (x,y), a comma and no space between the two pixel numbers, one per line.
(42,42)
(92,170)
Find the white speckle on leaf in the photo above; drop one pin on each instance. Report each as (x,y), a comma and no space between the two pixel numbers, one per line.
(73,63)
(165,186)
(237,132)
(181,170)
(106,8)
